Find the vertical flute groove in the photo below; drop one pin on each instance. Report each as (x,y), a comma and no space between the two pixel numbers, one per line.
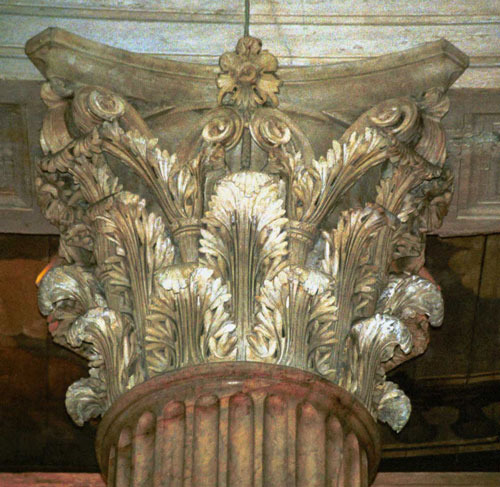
(352,473)
(310,449)
(143,450)
(170,446)
(110,480)
(124,457)
(241,441)
(334,448)
(206,442)
(275,442)
(364,469)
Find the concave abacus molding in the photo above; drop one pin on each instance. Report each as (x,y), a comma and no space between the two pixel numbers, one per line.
(246,245)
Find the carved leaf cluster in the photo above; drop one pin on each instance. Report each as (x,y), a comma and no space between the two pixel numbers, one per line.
(181,333)
(296,320)
(301,261)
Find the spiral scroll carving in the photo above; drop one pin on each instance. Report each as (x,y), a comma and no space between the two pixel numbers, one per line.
(307,261)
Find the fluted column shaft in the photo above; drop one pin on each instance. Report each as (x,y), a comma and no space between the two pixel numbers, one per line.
(238,425)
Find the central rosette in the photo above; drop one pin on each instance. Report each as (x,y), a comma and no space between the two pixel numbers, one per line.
(298,261)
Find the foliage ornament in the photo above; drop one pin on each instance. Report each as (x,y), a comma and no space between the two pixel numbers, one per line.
(248,75)
(262,262)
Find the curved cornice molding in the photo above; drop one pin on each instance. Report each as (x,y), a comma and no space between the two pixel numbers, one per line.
(59,54)
(263,238)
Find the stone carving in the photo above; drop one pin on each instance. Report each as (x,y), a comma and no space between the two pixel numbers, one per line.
(248,75)
(306,261)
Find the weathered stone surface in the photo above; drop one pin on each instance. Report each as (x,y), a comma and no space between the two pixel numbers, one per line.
(383,479)
(246,246)
(312,33)
(313,90)
(238,425)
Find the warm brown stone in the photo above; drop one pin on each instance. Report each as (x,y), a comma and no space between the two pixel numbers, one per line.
(383,479)
(238,424)
(222,274)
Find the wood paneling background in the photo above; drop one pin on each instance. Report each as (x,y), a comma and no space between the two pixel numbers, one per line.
(35,430)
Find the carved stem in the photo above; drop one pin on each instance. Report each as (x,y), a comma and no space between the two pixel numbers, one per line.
(147,174)
(246,149)
(296,321)
(187,235)
(244,269)
(301,237)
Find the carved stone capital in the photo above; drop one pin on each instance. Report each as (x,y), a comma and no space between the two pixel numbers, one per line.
(247,247)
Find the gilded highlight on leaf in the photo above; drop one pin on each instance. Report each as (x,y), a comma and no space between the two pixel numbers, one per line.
(241,243)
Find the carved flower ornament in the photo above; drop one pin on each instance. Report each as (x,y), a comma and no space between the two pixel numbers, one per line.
(248,75)
(263,264)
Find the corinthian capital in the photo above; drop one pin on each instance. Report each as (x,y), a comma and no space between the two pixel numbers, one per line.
(297,258)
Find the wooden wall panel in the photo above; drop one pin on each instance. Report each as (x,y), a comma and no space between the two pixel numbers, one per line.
(455,263)
(21,259)
(473,132)
(426,479)
(21,111)
(35,430)
(485,359)
(454,387)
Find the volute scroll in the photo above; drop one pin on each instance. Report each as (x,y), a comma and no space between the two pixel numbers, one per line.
(245,244)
